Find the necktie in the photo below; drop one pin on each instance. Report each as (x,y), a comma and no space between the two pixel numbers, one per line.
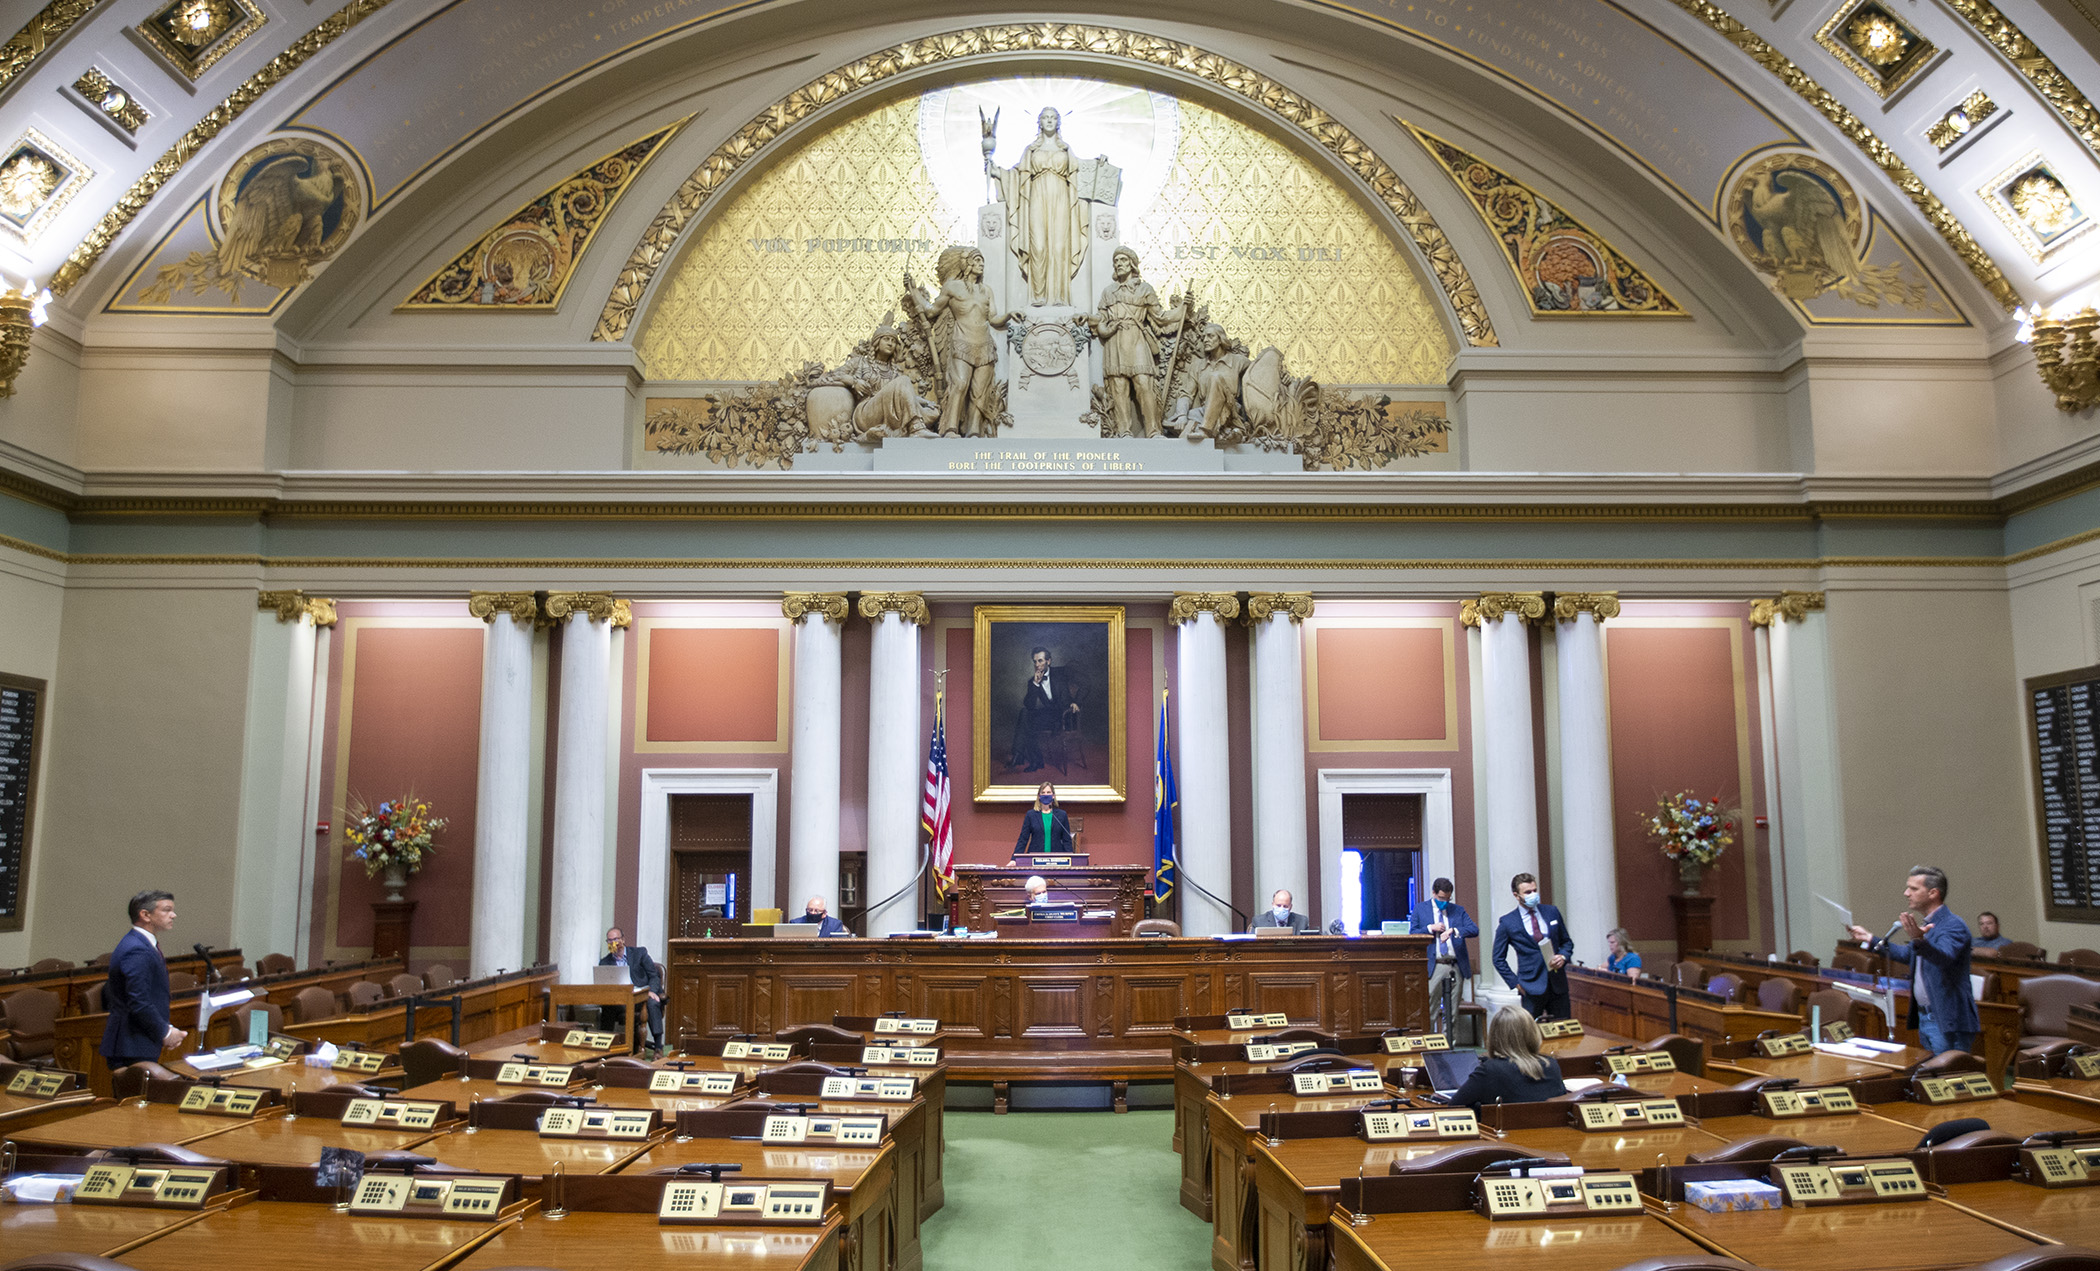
(1533,917)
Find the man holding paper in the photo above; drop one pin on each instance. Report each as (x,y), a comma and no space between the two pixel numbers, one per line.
(1543,948)
(1942,1006)
(1449,926)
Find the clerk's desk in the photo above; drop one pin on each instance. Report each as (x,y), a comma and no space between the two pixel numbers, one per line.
(982,890)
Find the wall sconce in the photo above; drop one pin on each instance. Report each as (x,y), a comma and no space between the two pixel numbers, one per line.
(2065,354)
(21,312)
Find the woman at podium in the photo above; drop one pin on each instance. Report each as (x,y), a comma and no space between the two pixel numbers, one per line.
(1044,826)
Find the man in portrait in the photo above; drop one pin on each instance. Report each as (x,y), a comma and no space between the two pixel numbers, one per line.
(1049,705)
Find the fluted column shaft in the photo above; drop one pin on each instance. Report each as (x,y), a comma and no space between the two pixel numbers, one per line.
(893,758)
(1592,898)
(1203,760)
(813,760)
(503,788)
(273,849)
(1511,776)
(1807,837)
(1280,859)
(579,784)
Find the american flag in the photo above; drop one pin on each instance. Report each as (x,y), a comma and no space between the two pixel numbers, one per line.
(933,812)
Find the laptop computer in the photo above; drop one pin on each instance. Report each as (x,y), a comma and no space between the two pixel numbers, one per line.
(1448,1069)
(610,975)
(796,930)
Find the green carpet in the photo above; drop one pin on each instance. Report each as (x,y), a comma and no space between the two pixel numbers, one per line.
(1064,1189)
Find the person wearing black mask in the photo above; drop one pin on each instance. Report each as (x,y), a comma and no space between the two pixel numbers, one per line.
(1044,826)
(818,911)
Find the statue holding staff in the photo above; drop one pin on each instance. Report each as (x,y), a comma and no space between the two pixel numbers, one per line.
(1045,210)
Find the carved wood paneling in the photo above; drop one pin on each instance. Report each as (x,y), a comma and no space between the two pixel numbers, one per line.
(814,999)
(728,1004)
(1152,1002)
(1300,995)
(1104,1004)
(963,1004)
(1051,1006)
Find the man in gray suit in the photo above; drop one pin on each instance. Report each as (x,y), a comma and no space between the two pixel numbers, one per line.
(1279,914)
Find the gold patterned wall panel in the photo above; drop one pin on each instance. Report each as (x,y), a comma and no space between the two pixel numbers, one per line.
(806,260)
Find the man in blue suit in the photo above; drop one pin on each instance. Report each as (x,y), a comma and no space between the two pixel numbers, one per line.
(136,994)
(1543,949)
(1449,966)
(818,911)
(1942,1003)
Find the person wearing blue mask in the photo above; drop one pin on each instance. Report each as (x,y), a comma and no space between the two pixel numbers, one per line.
(1448,926)
(1543,948)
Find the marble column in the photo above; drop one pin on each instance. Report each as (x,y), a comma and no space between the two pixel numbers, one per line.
(576,927)
(1202,760)
(1806,835)
(1510,777)
(502,800)
(813,756)
(274,844)
(1592,899)
(895,758)
(1280,857)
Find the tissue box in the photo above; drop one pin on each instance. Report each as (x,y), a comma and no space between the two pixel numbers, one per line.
(1732,1195)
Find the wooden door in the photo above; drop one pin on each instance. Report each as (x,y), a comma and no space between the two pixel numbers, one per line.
(1385,831)
(710,864)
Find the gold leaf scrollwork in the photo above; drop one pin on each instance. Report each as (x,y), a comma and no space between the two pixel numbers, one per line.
(596,606)
(830,606)
(1187,604)
(908,605)
(1264,605)
(2056,88)
(321,610)
(1804,86)
(287,605)
(522,607)
(1528,606)
(747,143)
(1789,606)
(1598,604)
(38,34)
(622,615)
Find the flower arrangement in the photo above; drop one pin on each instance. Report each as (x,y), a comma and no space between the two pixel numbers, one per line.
(1689,828)
(396,834)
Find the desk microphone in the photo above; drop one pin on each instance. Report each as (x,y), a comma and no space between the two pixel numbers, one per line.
(211,973)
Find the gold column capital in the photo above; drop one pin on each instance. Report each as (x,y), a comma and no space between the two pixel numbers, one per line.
(828,605)
(1600,604)
(1529,606)
(908,605)
(623,614)
(522,607)
(596,606)
(1790,606)
(1187,604)
(1264,605)
(290,606)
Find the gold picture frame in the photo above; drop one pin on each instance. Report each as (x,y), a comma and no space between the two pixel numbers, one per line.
(1015,748)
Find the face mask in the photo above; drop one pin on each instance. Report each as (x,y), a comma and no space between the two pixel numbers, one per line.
(1531,901)
(1281,911)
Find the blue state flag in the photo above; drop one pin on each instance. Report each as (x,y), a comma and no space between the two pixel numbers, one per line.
(1164,801)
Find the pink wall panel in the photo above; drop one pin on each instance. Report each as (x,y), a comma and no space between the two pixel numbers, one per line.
(1373,685)
(415,725)
(714,684)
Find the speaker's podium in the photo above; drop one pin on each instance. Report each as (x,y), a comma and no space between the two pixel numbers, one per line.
(1078,888)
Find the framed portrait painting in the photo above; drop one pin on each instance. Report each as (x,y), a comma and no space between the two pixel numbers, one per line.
(1047,703)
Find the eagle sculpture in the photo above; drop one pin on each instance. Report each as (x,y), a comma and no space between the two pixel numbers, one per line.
(280,218)
(1804,233)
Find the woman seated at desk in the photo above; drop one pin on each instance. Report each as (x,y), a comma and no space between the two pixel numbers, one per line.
(1623,959)
(1514,1070)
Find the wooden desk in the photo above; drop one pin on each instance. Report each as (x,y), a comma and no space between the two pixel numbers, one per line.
(2067,1215)
(1023,926)
(28,1231)
(534,1051)
(867,1179)
(1296,1185)
(283,1236)
(1860,1135)
(272,1140)
(18,1112)
(1465,1239)
(1816,1069)
(127,1124)
(1228,1180)
(1629,1149)
(982,889)
(1916,1236)
(2006,1115)
(525,1153)
(486,1010)
(463,1093)
(588,1240)
(2067,1095)
(630,996)
(1614,1004)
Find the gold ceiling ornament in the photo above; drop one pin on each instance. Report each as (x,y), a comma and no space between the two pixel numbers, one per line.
(1264,605)
(595,606)
(2035,205)
(38,34)
(2055,87)
(655,246)
(908,605)
(289,606)
(525,262)
(216,120)
(109,97)
(622,614)
(287,205)
(1565,268)
(829,606)
(1796,219)
(1789,606)
(1875,44)
(321,611)
(1804,86)
(1187,604)
(522,606)
(38,178)
(1962,120)
(194,34)
(2065,354)
(1598,604)
(21,313)
(1491,606)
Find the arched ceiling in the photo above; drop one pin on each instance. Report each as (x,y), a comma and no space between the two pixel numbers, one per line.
(1641,116)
